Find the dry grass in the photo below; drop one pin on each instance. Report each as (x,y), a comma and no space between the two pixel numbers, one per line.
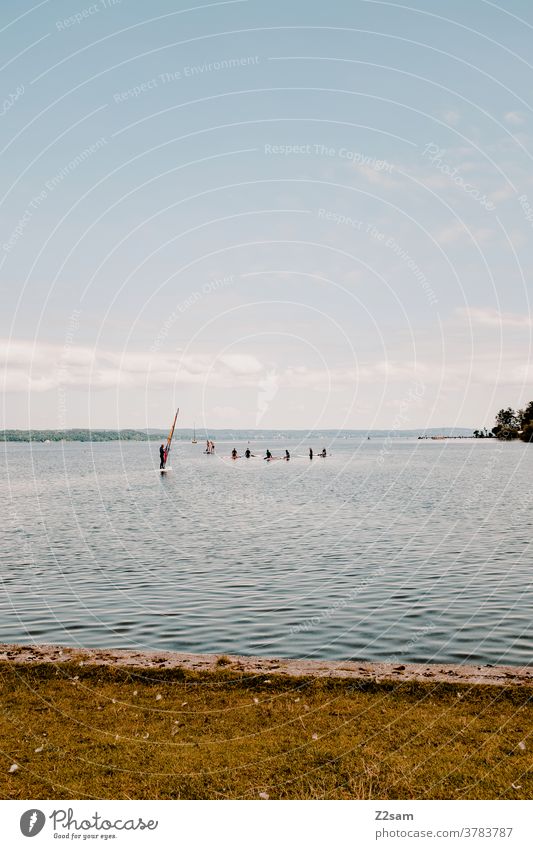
(78,731)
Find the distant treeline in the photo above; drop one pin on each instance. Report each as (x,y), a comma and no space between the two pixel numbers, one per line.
(511,424)
(86,435)
(77,435)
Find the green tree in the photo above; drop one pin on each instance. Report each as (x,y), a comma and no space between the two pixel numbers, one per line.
(507,424)
(525,417)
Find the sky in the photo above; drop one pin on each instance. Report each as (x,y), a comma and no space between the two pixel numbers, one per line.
(272,215)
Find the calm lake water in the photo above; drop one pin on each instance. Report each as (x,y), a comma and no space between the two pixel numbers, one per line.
(388,550)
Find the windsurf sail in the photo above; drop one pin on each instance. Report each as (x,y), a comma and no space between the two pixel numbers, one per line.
(169,437)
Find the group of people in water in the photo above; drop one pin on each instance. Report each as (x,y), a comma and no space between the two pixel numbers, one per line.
(210,449)
(247,454)
(269,456)
(322,453)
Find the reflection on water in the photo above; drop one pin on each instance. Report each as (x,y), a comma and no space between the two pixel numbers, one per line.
(398,549)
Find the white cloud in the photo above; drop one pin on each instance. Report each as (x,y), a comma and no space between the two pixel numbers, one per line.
(505,193)
(227,413)
(46,368)
(241,363)
(516,119)
(42,367)
(451,117)
(435,181)
(350,377)
(376,176)
(495,318)
(449,235)
(457,231)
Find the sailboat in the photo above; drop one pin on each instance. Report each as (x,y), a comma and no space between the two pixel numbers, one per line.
(194,440)
(168,445)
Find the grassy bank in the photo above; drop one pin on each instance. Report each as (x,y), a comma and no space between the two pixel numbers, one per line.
(79,731)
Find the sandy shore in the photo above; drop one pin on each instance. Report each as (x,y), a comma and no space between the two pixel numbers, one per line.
(451,673)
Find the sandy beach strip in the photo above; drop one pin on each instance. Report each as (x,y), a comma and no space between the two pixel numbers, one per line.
(427,672)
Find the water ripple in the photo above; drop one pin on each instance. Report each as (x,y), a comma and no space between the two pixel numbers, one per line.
(422,557)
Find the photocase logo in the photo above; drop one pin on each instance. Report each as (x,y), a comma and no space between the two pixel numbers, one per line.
(32,822)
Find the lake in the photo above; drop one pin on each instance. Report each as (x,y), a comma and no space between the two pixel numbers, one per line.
(389,549)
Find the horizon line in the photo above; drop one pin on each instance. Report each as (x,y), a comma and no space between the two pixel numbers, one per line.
(247,429)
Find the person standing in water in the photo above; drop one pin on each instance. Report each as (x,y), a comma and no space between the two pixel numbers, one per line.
(287,455)
(310,453)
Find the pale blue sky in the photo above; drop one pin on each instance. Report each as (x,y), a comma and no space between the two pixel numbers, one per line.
(276,214)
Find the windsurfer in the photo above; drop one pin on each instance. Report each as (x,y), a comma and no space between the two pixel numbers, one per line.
(164,450)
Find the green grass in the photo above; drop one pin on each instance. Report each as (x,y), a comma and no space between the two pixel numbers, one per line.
(103,733)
